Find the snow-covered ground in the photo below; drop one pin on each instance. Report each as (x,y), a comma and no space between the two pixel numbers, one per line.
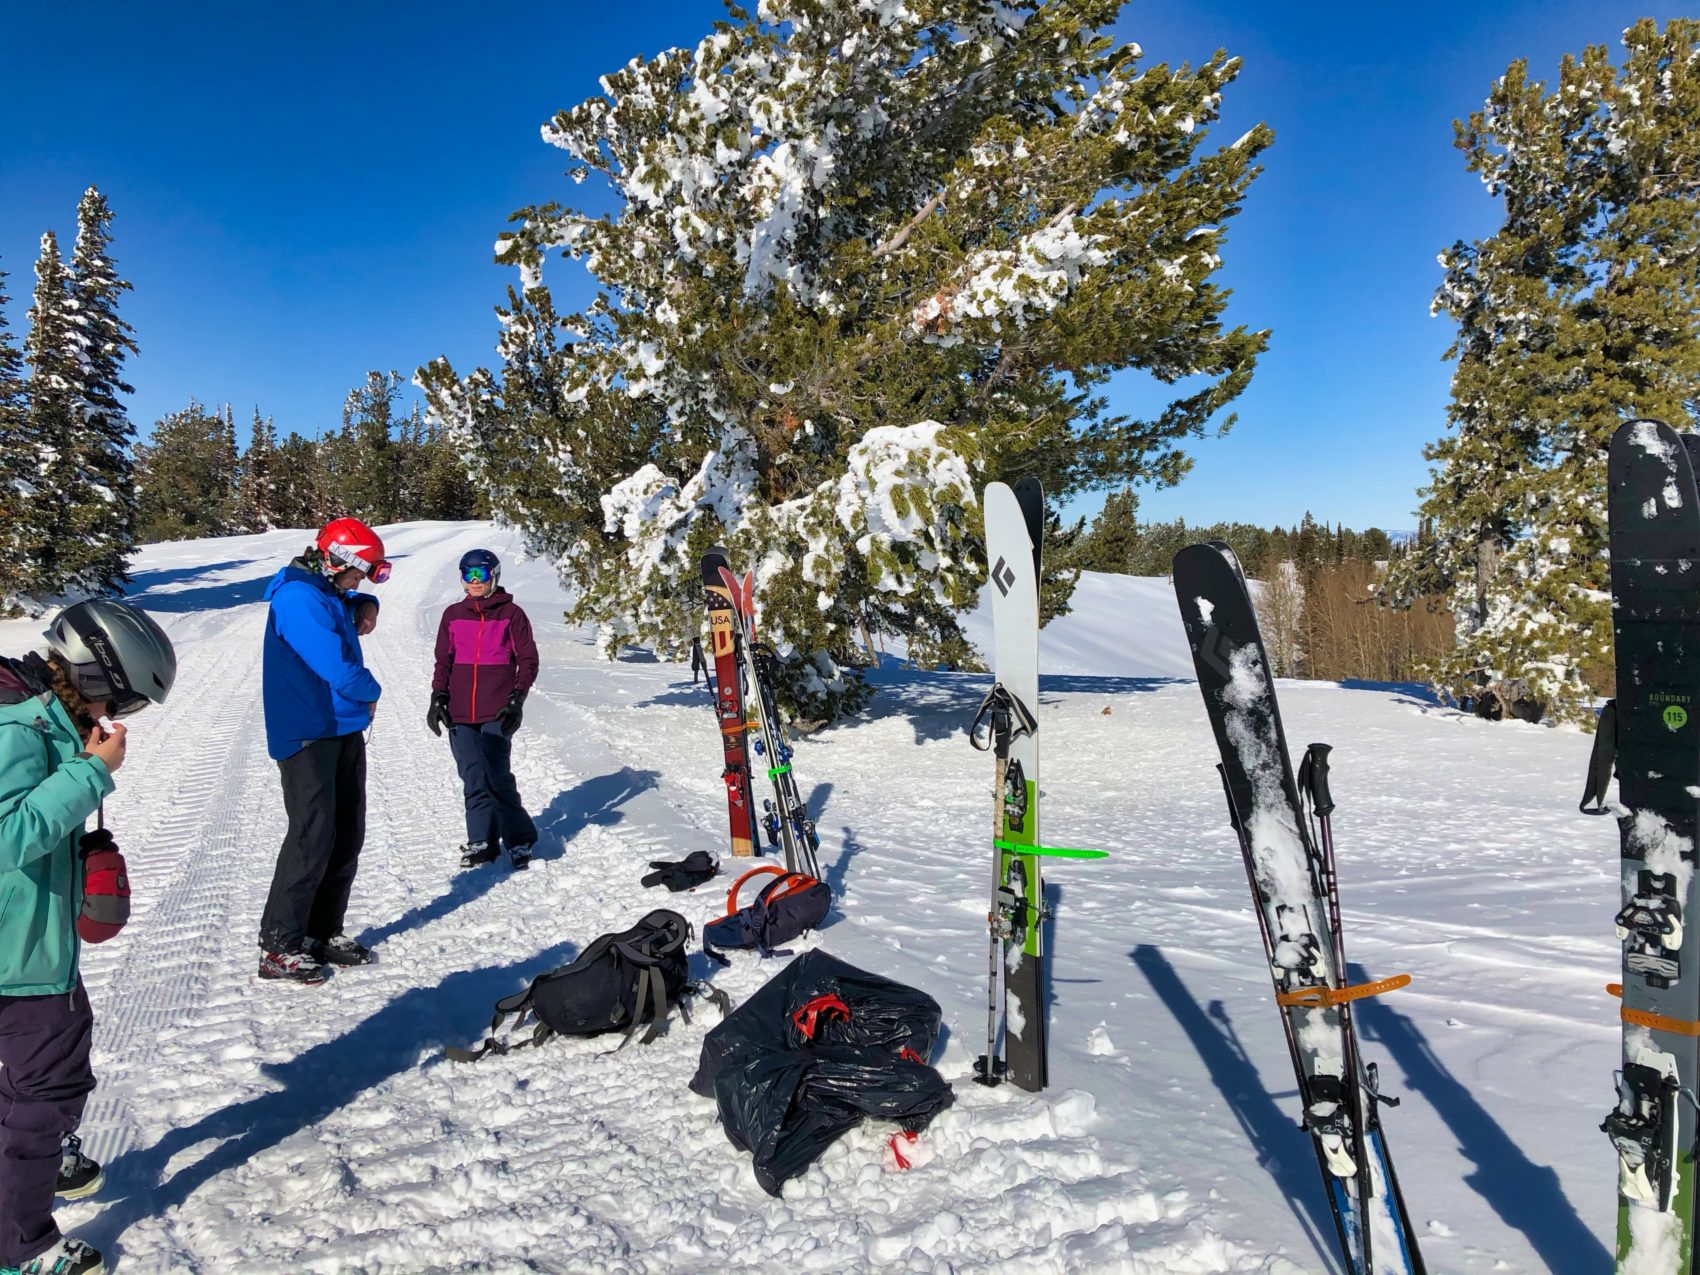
(256,1127)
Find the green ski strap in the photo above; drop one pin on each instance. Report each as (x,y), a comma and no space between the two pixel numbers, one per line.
(1050,852)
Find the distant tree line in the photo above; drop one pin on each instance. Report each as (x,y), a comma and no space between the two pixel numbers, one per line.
(192,481)
(1321,605)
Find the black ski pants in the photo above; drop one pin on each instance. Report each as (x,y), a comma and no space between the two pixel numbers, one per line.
(494,812)
(44,1082)
(324,794)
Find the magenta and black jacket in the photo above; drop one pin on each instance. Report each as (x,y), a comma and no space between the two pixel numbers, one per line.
(485,653)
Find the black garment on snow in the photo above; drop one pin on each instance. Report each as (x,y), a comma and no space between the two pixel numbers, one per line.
(45,1080)
(324,794)
(494,811)
(683,874)
(699,662)
(816,1050)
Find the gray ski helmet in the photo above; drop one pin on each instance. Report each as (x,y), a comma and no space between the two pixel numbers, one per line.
(116,653)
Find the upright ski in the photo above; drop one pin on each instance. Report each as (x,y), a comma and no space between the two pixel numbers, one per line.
(785,817)
(1655,726)
(1006,725)
(1288,850)
(729,703)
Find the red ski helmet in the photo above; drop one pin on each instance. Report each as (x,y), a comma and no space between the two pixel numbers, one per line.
(348,542)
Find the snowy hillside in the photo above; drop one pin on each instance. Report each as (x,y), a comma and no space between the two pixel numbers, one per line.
(268,1128)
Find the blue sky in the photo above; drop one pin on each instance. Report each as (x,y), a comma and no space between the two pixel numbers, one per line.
(306,192)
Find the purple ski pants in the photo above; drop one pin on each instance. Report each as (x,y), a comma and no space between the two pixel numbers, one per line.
(44,1081)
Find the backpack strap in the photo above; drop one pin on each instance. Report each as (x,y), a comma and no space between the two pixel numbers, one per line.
(652,992)
(519,1005)
(1601,761)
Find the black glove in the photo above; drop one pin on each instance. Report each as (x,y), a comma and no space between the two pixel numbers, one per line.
(438,717)
(683,874)
(511,713)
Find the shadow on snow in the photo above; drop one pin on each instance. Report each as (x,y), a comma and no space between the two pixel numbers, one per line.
(591,801)
(1527,1196)
(1282,1147)
(314,1084)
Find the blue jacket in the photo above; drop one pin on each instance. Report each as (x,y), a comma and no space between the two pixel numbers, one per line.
(47,792)
(316,683)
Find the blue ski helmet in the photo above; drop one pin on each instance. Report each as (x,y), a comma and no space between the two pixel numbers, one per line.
(481,560)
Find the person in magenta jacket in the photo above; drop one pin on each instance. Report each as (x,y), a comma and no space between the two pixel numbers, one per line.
(486,662)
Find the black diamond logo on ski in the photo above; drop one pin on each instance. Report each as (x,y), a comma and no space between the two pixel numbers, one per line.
(1216,650)
(1003,577)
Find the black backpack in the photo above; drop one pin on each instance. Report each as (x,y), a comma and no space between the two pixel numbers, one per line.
(619,981)
(787,906)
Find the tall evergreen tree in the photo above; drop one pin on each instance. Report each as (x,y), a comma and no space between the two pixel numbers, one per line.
(1109,542)
(448,491)
(1580,312)
(367,475)
(300,488)
(184,477)
(862,259)
(17,465)
(101,504)
(52,447)
(256,503)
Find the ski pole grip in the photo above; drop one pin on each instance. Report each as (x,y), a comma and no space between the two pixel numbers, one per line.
(1316,762)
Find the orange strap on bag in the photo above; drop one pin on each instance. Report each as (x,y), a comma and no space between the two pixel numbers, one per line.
(790,883)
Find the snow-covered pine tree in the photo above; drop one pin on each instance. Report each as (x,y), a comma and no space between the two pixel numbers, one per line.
(99,504)
(229,471)
(863,258)
(256,506)
(365,474)
(53,425)
(1581,311)
(184,476)
(17,466)
(300,487)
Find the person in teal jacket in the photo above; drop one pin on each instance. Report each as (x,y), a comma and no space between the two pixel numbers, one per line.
(59,751)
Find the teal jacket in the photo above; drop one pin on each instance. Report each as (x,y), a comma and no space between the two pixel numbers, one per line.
(47,793)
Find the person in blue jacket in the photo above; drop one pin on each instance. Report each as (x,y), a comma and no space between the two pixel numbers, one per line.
(59,751)
(319,699)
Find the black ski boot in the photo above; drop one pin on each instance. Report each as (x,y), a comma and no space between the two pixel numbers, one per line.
(474,853)
(342,950)
(79,1176)
(521,856)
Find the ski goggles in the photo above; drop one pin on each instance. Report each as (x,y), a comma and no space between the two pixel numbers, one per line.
(476,575)
(376,572)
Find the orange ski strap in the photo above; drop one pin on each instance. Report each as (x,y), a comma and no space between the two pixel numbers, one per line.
(1325,997)
(1647,1018)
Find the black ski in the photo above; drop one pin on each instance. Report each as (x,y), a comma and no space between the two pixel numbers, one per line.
(1285,834)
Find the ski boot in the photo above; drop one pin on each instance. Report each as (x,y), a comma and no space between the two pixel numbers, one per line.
(294,967)
(342,950)
(521,856)
(474,853)
(67,1257)
(79,1176)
